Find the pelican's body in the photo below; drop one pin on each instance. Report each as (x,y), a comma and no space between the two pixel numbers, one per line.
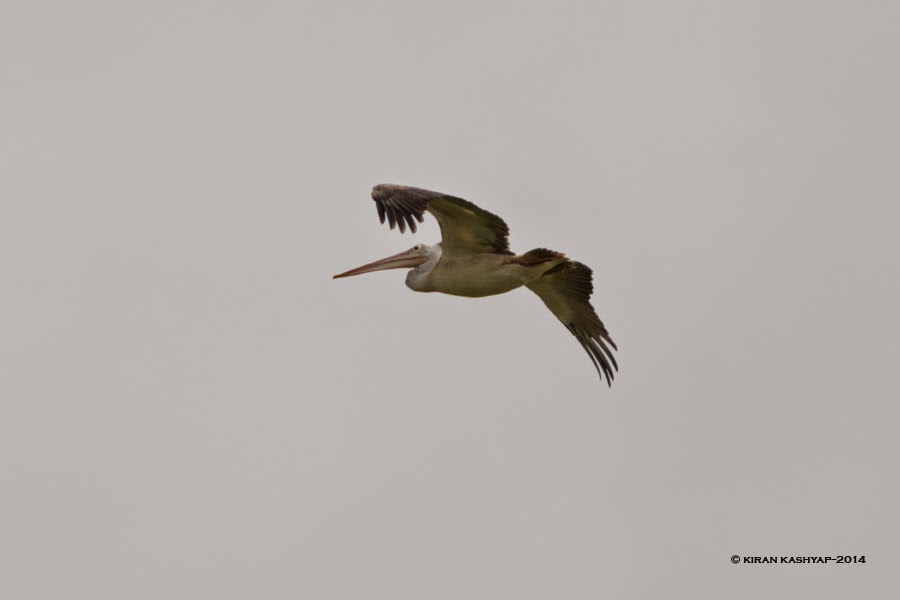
(474,260)
(473,276)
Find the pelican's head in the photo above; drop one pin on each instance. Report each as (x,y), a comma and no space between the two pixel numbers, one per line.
(416,256)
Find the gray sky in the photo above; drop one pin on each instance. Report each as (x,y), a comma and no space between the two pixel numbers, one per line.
(191,408)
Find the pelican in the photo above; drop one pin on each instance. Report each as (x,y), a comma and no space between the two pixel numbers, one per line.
(473,259)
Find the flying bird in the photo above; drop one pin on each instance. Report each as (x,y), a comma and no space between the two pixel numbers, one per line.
(473,259)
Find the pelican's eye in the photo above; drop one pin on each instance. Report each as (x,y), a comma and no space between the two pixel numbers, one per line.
(417,247)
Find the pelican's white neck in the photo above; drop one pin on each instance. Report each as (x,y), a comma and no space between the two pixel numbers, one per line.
(417,278)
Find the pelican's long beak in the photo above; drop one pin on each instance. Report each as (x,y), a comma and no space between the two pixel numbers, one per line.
(405,260)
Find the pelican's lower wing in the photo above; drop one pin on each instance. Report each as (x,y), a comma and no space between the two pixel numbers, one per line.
(566,290)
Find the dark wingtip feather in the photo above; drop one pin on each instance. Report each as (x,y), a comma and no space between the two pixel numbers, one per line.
(600,342)
(410,221)
(401,205)
(392,219)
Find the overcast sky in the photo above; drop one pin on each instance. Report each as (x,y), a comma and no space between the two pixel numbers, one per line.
(190,407)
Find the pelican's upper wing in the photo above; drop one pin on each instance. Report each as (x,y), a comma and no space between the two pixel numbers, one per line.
(465,228)
(566,290)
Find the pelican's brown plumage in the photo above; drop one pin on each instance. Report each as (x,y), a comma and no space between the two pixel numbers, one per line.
(473,259)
